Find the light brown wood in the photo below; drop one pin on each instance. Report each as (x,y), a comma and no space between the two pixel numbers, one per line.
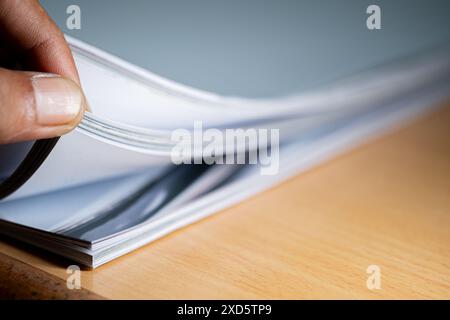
(19,280)
(385,203)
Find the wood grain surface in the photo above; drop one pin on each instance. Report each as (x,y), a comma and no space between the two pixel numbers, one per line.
(21,281)
(386,203)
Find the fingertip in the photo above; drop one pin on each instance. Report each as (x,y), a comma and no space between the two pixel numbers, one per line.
(37,106)
(58,101)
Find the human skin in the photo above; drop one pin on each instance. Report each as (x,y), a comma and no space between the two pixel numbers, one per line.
(45,100)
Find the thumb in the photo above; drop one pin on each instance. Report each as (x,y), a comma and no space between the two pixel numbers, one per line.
(37,105)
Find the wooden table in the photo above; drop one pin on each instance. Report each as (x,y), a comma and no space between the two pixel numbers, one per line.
(386,203)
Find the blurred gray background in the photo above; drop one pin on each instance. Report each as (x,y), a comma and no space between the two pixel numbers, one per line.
(256,48)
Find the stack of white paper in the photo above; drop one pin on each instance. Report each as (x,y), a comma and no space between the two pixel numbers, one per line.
(111,185)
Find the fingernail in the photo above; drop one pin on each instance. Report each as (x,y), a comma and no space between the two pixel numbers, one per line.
(58,101)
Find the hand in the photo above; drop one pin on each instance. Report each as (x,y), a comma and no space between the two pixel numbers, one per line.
(46,101)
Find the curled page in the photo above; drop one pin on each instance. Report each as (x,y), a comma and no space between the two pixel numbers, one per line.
(133,111)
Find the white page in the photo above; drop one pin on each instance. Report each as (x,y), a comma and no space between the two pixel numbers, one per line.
(78,158)
(49,211)
(93,158)
(297,156)
(122,92)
